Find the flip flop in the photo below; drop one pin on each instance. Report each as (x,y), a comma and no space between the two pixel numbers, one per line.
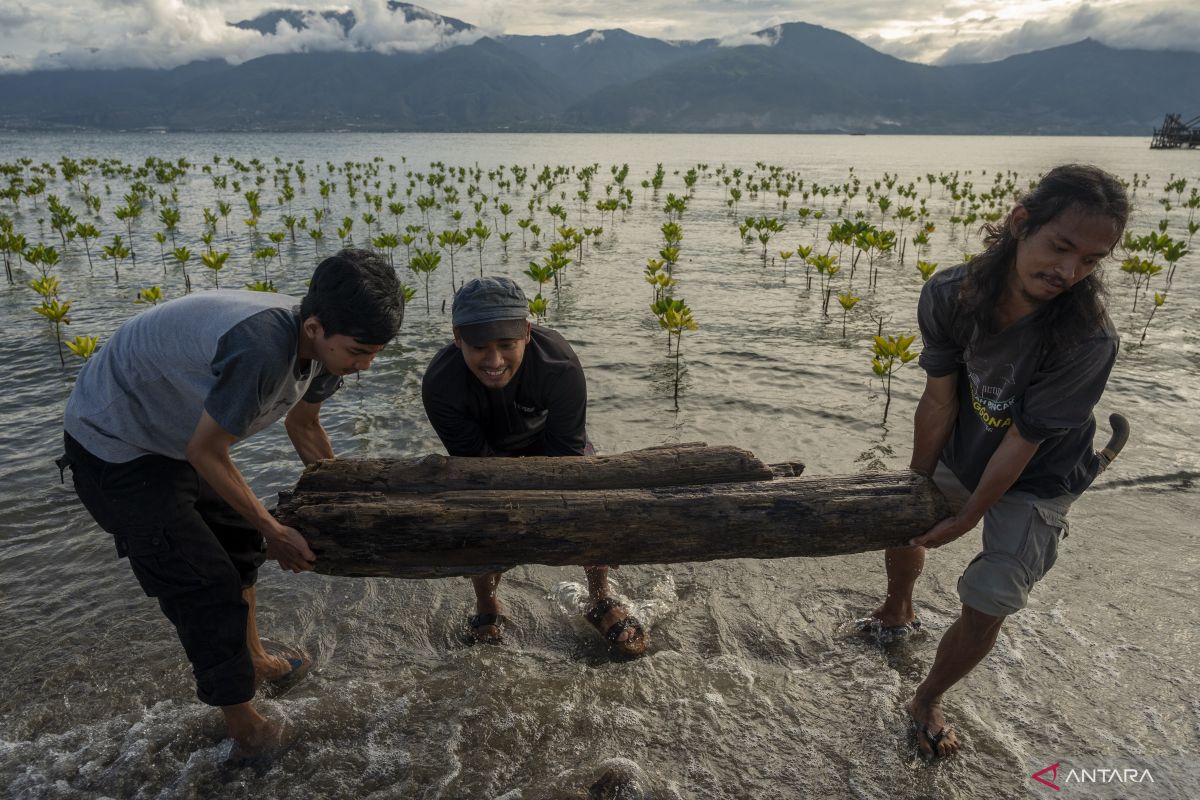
(301,664)
(886,634)
(635,645)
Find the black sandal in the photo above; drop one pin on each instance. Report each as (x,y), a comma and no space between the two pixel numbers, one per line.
(632,647)
(478,621)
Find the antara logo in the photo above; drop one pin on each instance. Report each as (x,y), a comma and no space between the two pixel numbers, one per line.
(1053,770)
(1049,775)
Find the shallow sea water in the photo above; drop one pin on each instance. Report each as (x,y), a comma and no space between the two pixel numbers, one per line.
(754,686)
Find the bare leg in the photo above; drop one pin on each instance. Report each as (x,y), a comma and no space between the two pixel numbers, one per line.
(597,578)
(487,603)
(903,566)
(964,645)
(266,666)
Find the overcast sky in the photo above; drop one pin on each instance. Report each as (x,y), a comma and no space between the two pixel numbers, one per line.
(166,33)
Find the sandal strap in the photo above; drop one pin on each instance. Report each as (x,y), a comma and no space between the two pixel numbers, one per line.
(620,626)
(482,620)
(595,614)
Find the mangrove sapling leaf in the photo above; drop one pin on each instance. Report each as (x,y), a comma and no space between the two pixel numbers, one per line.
(1159,299)
(149,296)
(407,292)
(46,286)
(889,354)
(847,300)
(926,268)
(262,286)
(84,346)
(1172,254)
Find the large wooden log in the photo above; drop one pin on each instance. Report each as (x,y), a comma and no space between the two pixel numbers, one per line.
(391,533)
(674,465)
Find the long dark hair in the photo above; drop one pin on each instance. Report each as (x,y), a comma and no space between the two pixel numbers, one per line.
(1076,312)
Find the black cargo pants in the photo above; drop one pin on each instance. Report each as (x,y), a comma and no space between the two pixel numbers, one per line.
(188,549)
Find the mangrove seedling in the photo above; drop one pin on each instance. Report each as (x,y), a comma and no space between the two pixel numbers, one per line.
(56,311)
(262,286)
(848,300)
(212,260)
(451,242)
(263,255)
(926,268)
(87,232)
(1159,299)
(675,317)
(115,252)
(889,354)
(423,263)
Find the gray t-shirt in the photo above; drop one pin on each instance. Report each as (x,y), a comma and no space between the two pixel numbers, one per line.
(231,353)
(1016,377)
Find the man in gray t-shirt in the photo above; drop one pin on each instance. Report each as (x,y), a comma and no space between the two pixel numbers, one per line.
(1018,349)
(148,429)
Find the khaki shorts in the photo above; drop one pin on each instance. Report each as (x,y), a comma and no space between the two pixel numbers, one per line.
(1021,533)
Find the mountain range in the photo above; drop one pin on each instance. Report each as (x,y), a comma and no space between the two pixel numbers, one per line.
(795,77)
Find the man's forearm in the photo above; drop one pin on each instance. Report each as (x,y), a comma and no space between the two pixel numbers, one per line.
(311,442)
(1002,471)
(932,426)
(219,471)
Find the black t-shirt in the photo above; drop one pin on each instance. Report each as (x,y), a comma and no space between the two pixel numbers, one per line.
(1017,377)
(542,410)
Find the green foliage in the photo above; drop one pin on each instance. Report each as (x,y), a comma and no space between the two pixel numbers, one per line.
(149,296)
(889,354)
(423,263)
(84,346)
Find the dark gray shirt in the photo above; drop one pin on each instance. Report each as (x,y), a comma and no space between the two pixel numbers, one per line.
(1016,377)
(231,353)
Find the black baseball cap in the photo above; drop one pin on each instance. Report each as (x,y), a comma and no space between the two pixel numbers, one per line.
(486,309)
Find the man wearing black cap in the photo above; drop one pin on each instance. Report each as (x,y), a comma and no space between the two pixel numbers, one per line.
(506,388)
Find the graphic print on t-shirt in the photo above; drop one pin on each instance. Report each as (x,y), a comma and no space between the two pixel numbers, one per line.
(992,395)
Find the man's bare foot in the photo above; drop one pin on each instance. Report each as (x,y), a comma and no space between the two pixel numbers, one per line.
(893,615)
(269,668)
(934,737)
(254,735)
